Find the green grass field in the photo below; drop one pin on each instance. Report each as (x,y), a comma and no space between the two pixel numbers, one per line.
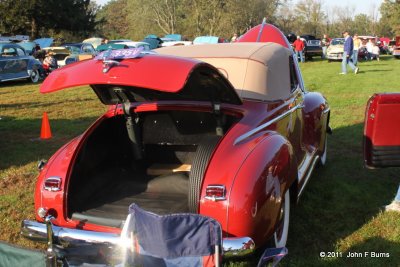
(340,211)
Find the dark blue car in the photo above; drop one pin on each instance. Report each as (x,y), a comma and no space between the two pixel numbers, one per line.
(16,64)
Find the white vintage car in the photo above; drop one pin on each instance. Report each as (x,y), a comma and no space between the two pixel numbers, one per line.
(335,49)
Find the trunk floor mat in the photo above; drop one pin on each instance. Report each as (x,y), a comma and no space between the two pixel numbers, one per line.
(114,214)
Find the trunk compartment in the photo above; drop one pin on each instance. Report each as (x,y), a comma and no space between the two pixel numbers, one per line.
(107,175)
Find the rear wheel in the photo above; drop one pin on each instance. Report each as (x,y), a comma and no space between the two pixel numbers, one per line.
(34,77)
(282,229)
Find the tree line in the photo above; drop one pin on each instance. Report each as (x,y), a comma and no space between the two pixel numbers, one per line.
(133,19)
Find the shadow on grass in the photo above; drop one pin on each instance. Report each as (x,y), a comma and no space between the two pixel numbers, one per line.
(18,83)
(29,105)
(20,138)
(374,70)
(373,252)
(339,199)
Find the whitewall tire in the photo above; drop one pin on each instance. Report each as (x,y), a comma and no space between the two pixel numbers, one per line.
(34,76)
(282,230)
(324,155)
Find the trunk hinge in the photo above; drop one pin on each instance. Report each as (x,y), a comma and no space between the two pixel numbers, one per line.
(218,116)
(132,124)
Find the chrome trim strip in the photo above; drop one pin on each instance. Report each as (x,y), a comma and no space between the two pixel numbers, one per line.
(326,110)
(12,79)
(304,164)
(65,236)
(265,125)
(70,238)
(307,178)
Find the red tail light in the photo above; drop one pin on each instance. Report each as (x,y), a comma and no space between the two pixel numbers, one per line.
(52,184)
(215,192)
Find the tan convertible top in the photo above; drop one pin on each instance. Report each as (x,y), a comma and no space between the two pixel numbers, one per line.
(256,70)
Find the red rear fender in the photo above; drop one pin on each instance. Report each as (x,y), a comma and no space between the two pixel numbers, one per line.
(256,193)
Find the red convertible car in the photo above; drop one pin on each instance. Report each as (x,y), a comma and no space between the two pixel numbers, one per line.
(226,130)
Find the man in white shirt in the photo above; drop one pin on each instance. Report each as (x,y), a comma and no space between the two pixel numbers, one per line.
(369,46)
(375,52)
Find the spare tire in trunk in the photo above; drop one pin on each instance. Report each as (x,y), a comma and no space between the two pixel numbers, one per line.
(199,166)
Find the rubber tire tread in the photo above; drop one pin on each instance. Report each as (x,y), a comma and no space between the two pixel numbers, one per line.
(199,165)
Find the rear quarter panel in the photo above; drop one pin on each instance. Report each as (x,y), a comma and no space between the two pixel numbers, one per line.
(256,193)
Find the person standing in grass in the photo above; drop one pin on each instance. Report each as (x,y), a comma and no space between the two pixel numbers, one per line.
(298,48)
(324,45)
(348,51)
(356,46)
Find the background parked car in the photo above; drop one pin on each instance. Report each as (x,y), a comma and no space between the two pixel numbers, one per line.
(392,46)
(16,64)
(79,51)
(208,40)
(59,53)
(131,44)
(44,42)
(71,52)
(396,49)
(313,49)
(95,41)
(153,40)
(28,46)
(174,39)
(335,49)
(111,46)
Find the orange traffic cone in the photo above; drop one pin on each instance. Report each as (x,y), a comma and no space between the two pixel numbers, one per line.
(45,133)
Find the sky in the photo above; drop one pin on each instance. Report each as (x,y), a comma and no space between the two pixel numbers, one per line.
(361,6)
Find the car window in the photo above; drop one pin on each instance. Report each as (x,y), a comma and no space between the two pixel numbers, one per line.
(88,49)
(9,52)
(145,47)
(313,42)
(73,49)
(337,41)
(20,52)
(294,81)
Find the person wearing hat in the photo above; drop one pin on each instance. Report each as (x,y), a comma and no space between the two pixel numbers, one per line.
(347,53)
(49,62)
(298,48)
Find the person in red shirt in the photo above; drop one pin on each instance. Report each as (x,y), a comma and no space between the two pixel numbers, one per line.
(298,48)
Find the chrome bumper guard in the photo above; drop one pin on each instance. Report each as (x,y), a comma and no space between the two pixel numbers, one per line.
(73,238)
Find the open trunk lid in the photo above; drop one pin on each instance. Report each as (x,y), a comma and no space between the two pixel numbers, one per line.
(149,77)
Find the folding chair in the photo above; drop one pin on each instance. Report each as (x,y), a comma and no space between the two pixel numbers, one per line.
(172,240)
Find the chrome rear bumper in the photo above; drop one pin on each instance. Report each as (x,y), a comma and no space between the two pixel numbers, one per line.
(73,238)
